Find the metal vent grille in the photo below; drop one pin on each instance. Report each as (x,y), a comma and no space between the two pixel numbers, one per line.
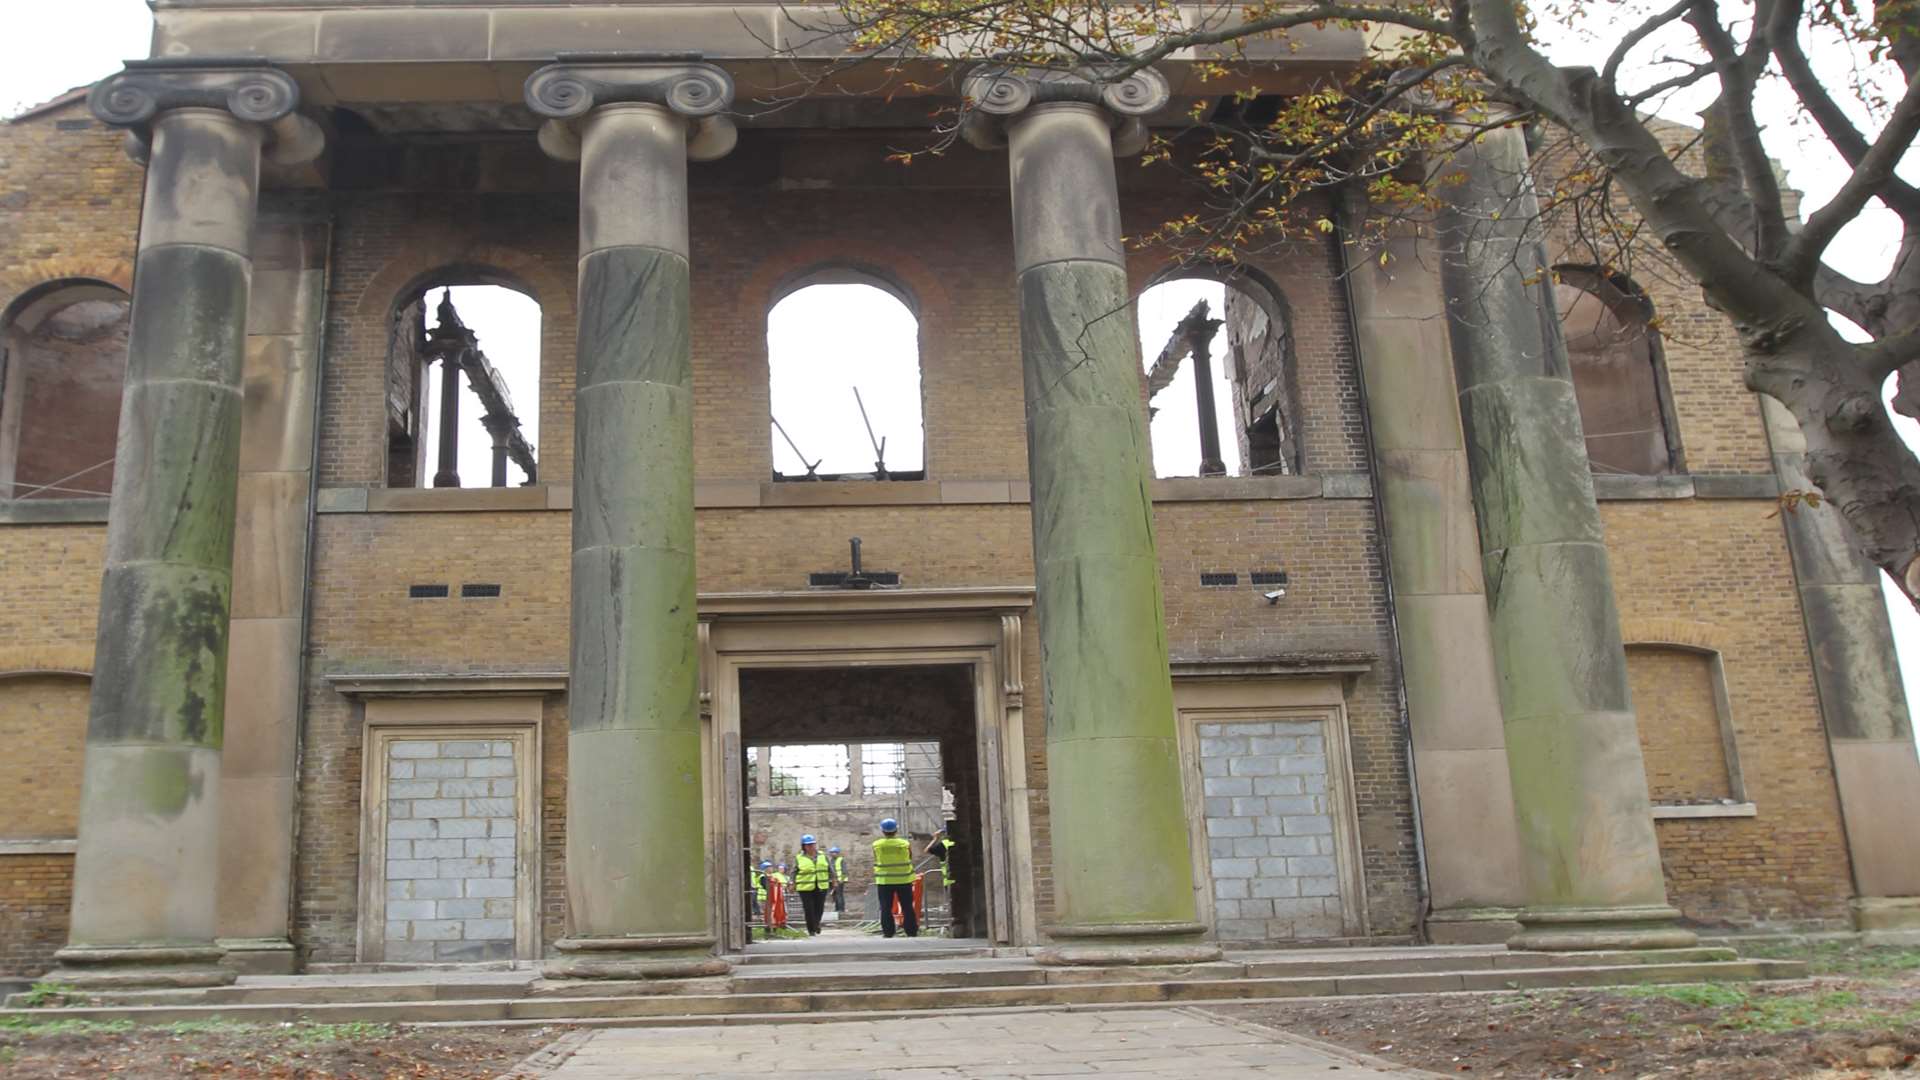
(475,591)
(1219,577)
(1269,577)
(427,592)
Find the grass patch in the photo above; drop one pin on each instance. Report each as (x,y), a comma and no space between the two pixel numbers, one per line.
(52,995)
(1741,1009)
(34,1027)
(1840,957)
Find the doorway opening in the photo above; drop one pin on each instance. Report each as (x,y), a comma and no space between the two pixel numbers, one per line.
(830,752)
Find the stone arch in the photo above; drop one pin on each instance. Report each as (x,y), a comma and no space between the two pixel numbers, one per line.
(66,339)
(1619,371)
(910,280)
(19,285)
(1259,342)
(1679,633)
(56,658)
(485,264)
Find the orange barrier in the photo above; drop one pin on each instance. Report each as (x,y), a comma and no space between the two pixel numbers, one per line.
(919,901)
(776,905)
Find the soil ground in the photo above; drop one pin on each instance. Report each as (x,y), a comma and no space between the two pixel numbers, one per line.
(56,1049)
(1858,1015)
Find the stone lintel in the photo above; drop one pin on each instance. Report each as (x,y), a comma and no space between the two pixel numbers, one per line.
(566,91)
(444,684)
(250,90)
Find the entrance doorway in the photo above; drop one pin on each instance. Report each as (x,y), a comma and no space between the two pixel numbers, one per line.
(832,751)
(916,696)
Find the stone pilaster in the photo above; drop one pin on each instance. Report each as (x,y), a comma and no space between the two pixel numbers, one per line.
(1122,866)
(1862,702)
(636,838)
(1467,822)
(1589,858)
(146,879)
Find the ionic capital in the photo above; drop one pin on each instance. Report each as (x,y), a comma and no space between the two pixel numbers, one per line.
(998,92)
(253,92)
(566,91)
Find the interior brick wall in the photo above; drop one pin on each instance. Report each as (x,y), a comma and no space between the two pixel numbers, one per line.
(1673,701)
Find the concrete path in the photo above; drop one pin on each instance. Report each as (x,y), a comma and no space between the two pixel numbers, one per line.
(1115,1044)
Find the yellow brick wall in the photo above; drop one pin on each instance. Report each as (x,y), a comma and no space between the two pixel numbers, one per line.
(1715,574)
(69,201)
(1673,699)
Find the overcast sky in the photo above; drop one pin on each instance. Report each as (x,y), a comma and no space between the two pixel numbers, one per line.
(49,47)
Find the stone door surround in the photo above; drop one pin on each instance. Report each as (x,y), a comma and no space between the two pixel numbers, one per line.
(978,628)
(465,735)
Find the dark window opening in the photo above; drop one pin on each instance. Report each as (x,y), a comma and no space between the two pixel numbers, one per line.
(482,342)
(63,363)
(1619,373)
(843,371)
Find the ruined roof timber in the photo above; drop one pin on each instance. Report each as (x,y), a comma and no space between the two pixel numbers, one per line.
(436,51)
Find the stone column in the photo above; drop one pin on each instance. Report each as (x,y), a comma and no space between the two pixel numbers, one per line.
(501,429)
(146,879)
(636,839)
(1862,702)
(1589,859)
(1467,823)
(1122,868)
(449,473)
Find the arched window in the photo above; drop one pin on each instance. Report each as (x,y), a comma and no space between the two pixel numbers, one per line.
(1619,372)
(463,331)
(63,361)
(843,373)
(1232,330)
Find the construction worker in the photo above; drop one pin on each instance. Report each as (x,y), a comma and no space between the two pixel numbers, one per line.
(837,866)
(942,847)
(760,886)
(812,877)
(893,873)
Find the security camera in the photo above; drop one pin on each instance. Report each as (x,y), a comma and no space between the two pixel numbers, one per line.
(1274,596)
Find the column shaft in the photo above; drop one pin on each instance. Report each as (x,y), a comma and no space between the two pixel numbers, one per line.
(636,838)
(146,875)
(1210,462)
(1863,705)
(1589,857)
(449,474)
(1122,867)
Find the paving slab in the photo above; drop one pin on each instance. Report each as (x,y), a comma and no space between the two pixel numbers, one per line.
(1133,1044)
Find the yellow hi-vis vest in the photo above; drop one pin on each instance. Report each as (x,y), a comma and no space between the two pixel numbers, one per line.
(809,873)
(892,861)
(760,886)
(946,861)
(839,868)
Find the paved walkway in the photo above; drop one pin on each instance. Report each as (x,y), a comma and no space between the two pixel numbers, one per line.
(1114,1044)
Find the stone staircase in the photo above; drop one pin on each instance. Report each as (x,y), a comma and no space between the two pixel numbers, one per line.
(867,983)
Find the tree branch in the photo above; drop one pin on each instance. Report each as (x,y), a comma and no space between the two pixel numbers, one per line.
(1867,182)
(1738,73)
(1609,73)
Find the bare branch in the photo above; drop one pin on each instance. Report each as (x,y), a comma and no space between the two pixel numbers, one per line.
(1609,73)
(1738,73)
(1868,180)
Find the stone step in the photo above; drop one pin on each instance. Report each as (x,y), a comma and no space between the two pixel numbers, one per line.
(759,955)
(699,1008)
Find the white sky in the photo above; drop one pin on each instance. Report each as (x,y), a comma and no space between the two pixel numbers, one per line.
(825,341)
(48,48)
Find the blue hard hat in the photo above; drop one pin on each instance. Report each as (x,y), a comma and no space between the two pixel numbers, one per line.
(807,839)
(765,865)
(833,851)
(889,825)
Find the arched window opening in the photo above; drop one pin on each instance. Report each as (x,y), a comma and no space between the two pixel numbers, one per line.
(1618,373)
(63,363)
(1219,379)
(843,373)
(482,343)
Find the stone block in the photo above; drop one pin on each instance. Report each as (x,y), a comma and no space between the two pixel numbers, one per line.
(396,930)
(1249,806)
(1225,910)
(458,909)
(1273,867)
(440,769)
(465,749)
(1235,868)
(434,889)
(1294,804)
(1301,765)
(410,868)
(1231,889)
(1310,866)
(485,929)
(1211,767)
(440,808)
(465,868)
(501,789)
(413,789)
(490,887)
(413,748)
(408,952)
(1306,825)
(1278,785)
(462,828)
(436,930)
(1268,888)
(502,827)
(263,692)
(1250,846)
(491,767)
(488,808)
(400,770)
(1319,886)
(1254,766)
(499,909)
(1221,848)
(439,849)
(400,890)
(1226,786)
(502,848)
(399,849)
(1225,746)
(1229,827)
(1256,908)
(411,909)
(1293,845)
(1273,745)
(500,748)
(465,788)
(1222,807)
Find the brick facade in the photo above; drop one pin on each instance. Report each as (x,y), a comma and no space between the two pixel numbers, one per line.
(762,218)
